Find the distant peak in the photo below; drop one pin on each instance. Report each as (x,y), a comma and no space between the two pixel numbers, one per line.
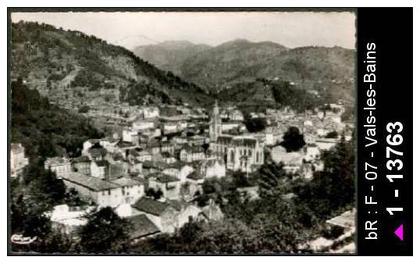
(176,42)
(245,42)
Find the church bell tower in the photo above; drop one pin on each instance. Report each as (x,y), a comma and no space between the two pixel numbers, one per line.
(215,123)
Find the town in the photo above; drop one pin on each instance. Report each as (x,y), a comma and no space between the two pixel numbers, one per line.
(152,168)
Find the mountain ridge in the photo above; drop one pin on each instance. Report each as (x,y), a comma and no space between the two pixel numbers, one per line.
(66,64)
(327,70)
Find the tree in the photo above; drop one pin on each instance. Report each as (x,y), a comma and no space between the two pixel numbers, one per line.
(333,188)
(271,177)
(293,139)
(255,125)
(104,232)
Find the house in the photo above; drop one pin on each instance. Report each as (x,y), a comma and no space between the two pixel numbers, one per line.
(109,144)
(178,170)
(131,136)
(81,164)
(197,140)
(96,152)
(59,165)
(169,127)
(191,153)
(162,214)
(168,185)
(136,167)
(150,112)
(157,147)
(131,189)
(167,147)
(117,169)
(99,169)
(213,168)
(144,156)
(18,161)
(167,216)
(167,158)
(104,193)
(124,148)
(142,125)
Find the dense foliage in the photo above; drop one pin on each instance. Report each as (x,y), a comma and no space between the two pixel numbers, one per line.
(44,129)
(104,232)
(30,200)
(293,140)
(255,125)
(71,62)
(285,94)
(261,93)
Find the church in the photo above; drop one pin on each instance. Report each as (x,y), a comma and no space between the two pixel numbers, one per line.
(240,153)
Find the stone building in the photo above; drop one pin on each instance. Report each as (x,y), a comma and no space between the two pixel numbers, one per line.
(240,153)
(215,127)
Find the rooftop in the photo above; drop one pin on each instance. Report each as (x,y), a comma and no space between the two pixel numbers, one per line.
(81,159)
(163,178)
(89,182)
(124,181)
(142,226)
(345,220)
(151,206)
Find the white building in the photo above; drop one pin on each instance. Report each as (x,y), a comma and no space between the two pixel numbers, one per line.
(191,153)
(150,112)
(169,185)
(17,159)
(104,193)
(179,171)
(213,168)
(167,216)
(59,165)
(130,135)
(141,125)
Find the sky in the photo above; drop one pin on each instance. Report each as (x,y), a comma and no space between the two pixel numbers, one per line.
(130,29)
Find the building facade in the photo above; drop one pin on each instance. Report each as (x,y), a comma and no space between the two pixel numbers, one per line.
(240,153)
(17,159)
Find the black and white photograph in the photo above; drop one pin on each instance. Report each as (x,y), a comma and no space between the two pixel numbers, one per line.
(182,132)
